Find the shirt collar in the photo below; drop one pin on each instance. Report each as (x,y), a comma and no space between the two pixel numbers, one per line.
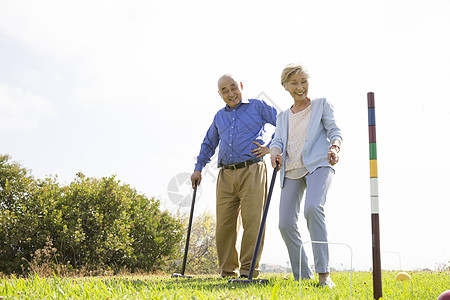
(243,101)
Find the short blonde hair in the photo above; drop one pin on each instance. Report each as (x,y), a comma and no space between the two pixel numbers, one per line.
(292,69)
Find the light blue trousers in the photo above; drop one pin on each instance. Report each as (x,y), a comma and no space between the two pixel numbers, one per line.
(316,185)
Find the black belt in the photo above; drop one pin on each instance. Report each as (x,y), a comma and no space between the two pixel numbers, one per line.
(242,164)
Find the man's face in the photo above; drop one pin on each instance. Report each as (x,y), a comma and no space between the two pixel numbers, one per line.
(297,85)
(229,91)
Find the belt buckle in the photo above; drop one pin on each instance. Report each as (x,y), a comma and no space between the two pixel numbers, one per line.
(233,167)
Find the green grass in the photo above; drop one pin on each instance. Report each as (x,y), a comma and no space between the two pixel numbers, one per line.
(424,285)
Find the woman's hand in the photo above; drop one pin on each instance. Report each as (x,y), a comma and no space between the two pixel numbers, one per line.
(274,158)
(260,151)
(333,156)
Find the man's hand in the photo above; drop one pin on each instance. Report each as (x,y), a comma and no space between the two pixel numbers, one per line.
(196,176)
(260,151)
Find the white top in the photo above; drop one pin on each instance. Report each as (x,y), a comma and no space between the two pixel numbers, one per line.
(298,127)
(322,130)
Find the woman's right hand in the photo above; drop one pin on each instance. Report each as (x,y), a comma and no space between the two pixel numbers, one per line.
(274,158)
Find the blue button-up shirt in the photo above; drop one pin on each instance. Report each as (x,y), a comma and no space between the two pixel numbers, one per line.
(234,130)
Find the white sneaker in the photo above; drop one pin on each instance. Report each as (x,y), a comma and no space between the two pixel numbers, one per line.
(328,283)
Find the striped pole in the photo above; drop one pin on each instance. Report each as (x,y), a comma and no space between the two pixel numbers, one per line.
(376,260)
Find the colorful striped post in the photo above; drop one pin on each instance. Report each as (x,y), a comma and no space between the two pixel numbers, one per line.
(376,260)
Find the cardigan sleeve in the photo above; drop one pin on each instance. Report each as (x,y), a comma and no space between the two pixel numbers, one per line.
(280,128)
(329,122)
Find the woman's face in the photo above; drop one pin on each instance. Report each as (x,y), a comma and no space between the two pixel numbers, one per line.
(297,86)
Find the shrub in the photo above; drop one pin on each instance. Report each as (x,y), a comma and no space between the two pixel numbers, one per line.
(17,222)
(91,223)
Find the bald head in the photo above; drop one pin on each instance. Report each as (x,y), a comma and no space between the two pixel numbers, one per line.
(225,77)
(229,90)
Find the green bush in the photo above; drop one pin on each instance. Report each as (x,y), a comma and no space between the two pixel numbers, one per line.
(92,223)
(16,195)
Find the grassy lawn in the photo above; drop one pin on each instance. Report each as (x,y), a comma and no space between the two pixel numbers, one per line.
(424,285)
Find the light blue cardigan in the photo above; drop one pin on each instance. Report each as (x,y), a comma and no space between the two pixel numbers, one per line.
(322,130)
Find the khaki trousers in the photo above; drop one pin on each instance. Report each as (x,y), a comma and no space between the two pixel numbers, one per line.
(240,195)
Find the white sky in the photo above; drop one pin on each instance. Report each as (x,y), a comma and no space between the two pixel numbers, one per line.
(129,88)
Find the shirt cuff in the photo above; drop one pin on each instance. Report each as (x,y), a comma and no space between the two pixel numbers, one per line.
(199,167)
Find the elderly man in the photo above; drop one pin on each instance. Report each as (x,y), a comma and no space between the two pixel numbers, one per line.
(238,130)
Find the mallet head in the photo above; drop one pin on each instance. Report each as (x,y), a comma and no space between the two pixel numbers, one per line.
(177,275)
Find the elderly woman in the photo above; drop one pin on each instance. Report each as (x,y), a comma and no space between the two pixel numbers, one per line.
(306,146)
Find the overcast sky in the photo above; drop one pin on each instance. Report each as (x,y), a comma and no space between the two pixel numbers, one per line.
(130,88)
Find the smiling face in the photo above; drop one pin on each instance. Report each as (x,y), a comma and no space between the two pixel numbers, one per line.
(229,90)
(297,85)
